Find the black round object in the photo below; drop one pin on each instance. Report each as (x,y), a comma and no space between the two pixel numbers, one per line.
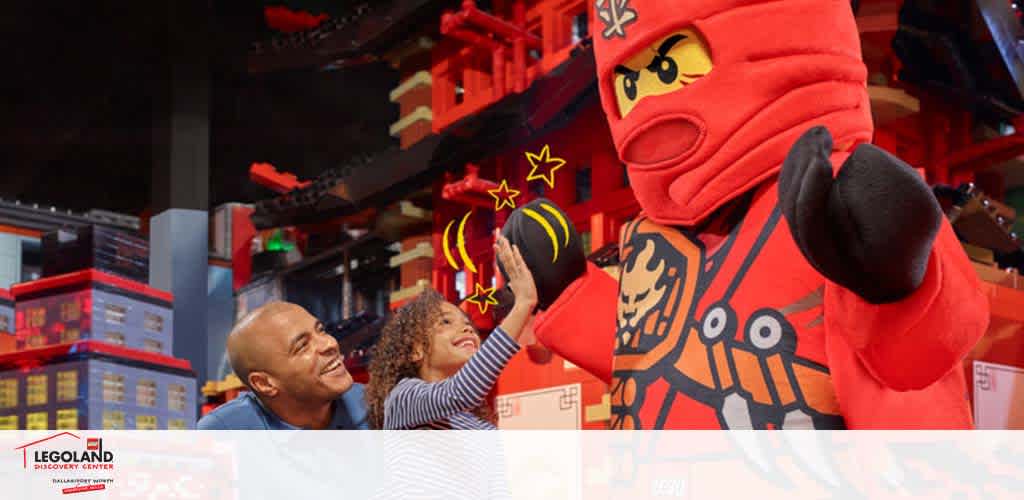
(550,246)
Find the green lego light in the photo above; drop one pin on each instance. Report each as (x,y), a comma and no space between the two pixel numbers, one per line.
(278,244)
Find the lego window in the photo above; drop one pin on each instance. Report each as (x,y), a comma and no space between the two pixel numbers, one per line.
(113,420)
(9,423)
(583,188)
(538,32)
(580,27)
(37,421)
(36,340)
(8,393)
(145,422)
(176,424)
(31,260)
(35,317)
(67,418)
(114,314)
(153,323)
(176,397)
(35,390)
(114,337)
(113,388)
(5,324)
(460,284)
(69,335)
(152,345)
(67,385)
(145,393)
(460,92)
(70,311)
(585,240)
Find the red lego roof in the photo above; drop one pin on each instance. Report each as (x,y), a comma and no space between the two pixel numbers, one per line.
(85,277)
(471,189)
(43,355)
(5,295)
(267,176)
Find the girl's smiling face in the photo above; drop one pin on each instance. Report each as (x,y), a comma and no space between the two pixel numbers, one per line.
(453,340)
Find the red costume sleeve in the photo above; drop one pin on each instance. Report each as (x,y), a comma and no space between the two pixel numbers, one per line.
(580,325)
(911,344)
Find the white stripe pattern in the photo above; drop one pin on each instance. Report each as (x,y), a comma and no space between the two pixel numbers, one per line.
(415,403)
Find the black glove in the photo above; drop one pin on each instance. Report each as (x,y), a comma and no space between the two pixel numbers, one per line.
(871,228)
(537,241)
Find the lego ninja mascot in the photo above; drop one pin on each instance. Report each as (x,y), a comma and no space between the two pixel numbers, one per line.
(783,273)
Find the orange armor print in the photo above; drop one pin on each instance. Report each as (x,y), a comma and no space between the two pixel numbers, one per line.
(740,372)
(718,319)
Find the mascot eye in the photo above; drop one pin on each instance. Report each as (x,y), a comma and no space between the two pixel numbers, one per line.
(666,69)
(629,85)
(715,322)
(641,296)
(765,332)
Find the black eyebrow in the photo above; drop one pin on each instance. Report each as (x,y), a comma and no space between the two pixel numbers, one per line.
(669,43)
(622,70)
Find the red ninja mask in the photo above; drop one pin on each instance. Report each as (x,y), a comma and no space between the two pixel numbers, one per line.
(778,68)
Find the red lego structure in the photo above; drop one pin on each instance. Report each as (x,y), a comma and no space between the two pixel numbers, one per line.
(488,56)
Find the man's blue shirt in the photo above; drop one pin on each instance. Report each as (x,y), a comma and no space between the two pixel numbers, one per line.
(246,412)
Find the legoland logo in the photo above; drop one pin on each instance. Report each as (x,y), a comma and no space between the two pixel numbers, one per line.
(45,455)
(69,462)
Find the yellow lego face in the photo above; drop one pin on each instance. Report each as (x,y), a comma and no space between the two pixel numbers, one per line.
(668,65)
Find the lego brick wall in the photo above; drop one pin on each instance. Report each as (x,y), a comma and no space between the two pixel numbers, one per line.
(10,259)
(179,264)
(96,394)
(220,317)
(95,314)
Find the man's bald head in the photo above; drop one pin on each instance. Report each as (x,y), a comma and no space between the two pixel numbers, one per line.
(282,352)
(251,338)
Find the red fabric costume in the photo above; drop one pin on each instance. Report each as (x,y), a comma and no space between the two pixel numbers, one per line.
(717,320)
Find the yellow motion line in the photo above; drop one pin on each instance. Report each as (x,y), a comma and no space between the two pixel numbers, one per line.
(547,227)
(447,250)
(561,220)
(461,243)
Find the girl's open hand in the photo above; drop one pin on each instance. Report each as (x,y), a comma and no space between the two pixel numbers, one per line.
(520,280)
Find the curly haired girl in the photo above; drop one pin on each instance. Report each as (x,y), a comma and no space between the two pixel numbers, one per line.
(429,369)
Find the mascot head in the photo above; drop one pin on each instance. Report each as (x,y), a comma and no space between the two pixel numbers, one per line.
(705,97)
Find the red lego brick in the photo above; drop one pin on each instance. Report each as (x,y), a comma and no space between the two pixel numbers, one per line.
(44,355)
(26,290)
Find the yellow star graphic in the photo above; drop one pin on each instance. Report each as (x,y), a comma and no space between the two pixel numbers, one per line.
(503,196)
(547,163)
(483,298)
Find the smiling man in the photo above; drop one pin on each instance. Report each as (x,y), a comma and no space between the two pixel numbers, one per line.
(295,373)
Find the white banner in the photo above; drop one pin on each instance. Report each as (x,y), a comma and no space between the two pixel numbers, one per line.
(299,465)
